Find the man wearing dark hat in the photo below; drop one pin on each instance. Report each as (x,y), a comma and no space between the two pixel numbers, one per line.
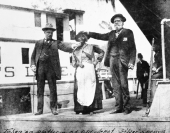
(120,56)
(142,73)
(46,64)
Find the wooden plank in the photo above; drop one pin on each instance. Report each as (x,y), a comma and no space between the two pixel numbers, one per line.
(3,39)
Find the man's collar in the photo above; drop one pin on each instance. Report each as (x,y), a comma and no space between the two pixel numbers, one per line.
(140,61)
(118,31)
(48,39)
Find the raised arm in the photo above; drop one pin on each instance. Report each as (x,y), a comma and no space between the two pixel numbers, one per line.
(67,46)
(99,36)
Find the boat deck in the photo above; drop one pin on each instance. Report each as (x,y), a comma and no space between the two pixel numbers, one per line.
(100,122)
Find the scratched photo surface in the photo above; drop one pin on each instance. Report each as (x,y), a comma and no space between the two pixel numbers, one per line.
(84,66)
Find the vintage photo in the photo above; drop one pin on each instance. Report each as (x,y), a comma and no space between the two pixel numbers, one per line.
(84,66)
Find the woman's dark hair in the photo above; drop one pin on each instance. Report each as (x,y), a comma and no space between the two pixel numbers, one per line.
(81,34)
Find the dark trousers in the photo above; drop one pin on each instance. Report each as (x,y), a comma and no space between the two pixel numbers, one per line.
(144,85)
(141,84)
(119,81)
(45,72)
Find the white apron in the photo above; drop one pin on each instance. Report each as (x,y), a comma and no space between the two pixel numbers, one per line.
(86,81)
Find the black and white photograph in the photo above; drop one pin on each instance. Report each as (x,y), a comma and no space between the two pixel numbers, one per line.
(84,66)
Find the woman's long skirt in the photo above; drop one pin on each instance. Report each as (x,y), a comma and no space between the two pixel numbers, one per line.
(87,91)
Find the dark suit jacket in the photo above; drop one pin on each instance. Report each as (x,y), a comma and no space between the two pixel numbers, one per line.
(53,53)
(141,69)
(124,43)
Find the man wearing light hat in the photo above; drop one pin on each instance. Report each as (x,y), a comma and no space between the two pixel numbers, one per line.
(46,64)
(120,56)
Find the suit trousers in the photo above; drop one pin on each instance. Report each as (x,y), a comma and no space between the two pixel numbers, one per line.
(119,81)
(144,85)
(45,72)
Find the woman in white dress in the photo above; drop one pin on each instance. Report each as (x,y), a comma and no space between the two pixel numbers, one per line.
(87,93)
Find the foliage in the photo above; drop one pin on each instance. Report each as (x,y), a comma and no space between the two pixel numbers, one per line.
(48,6)
(45,5)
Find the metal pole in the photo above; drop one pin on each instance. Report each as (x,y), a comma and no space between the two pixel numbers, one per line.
(163,47)
(149,82)
(150,74)
(33,93)
(137,89)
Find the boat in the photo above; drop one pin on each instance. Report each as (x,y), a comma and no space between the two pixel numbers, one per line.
(14,121)
(150,16)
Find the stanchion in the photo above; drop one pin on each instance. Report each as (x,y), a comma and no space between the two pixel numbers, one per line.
(137,89)
(149,82)
(33,93)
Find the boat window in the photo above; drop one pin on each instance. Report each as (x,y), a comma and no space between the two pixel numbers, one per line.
(72,28)
(59,24)
(37,19)
(73,20)
(25,55)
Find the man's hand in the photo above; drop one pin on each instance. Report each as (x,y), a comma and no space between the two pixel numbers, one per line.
(154,70)
(33,68)
(75,45)
(95,63)
(81,65)
(146,74)
(131,66)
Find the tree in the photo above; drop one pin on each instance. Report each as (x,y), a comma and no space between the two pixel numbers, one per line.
(45,5)
(112,2)
(48,6)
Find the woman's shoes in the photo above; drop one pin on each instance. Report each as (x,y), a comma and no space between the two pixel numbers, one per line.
(78,113)
(84,113)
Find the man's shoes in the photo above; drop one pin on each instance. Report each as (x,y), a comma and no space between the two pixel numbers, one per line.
(59,105)
(144,105)
(54,111)
(126,111)
(116,111)
(38,113)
